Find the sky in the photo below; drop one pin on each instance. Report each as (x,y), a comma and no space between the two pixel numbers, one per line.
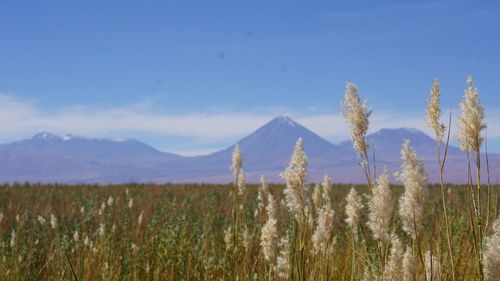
(192,77)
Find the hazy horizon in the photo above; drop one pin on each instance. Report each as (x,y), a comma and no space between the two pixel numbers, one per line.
(190,153)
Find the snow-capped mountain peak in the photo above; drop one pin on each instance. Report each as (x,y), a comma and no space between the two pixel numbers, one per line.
(46,136)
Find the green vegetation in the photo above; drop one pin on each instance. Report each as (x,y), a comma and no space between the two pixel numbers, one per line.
(176,232)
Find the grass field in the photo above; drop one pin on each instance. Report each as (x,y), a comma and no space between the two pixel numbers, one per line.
(176,232)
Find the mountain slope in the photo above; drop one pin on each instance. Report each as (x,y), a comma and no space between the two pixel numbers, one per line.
(92,149)
(387,145)
(47,158)
(265,151)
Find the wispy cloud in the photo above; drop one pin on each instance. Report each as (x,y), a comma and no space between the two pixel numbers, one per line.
(203,131)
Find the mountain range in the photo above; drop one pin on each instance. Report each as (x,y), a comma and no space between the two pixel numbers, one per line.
(48,158)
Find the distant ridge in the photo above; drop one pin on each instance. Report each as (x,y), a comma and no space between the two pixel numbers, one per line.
(47,157)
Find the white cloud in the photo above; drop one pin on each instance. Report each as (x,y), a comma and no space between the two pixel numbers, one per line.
(22,118)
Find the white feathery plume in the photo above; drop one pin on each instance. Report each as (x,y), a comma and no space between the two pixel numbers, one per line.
(381,207)
(237,161)
(327,190)
(13,238)
(433,113)
(53,221)
(41,220)
(432,267)
(246,239)
(491,253)
(101,231)
(110,201)
(261,197)
(283,266)
(295,176)
(102,209)
(414,179)
(316,196)
(263,184)
(310,220)
(331,247)
(228,238)
(353,210)
(470,122)
(357,115)
(393,269)
(131,203)
(409,269)
(241,183)
(141,217)
(324,227)
(269,232)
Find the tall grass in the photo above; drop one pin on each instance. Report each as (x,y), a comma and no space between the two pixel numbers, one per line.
(180,234)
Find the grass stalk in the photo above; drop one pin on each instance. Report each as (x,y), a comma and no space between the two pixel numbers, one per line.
(441,164)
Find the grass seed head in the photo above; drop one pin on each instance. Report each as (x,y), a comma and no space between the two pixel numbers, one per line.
(53,221)
(241,183)
(393,269)
(327,190)
(237,161)
(110,201)
(380,208)
(409,269)
(433,113)
(324,227)
(295,176)
(414,179)
(269,232)
(41,220)
(228,238)
(356,114)
(353,210)
(13,238)
(470,122)
(283,267)
(492,253)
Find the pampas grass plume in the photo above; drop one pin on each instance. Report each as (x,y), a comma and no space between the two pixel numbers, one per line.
(414,179)
(492,253)
(295,176)
(353,210)
(470,122)
(380,208)
(269,232)
(357,115)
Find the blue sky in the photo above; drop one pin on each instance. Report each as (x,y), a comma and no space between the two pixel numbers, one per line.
(194,76)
